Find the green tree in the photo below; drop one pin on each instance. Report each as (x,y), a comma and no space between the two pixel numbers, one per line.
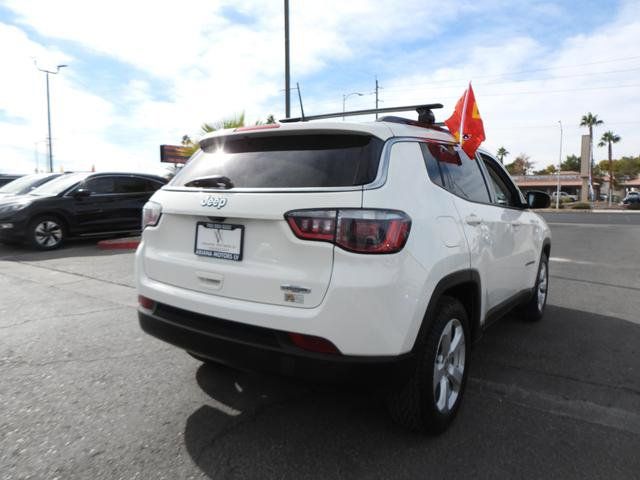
(548,170)
(501,153)
(608,139)
(520,166)
(572,163)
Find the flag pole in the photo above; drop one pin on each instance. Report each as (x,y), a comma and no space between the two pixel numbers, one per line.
(464,113)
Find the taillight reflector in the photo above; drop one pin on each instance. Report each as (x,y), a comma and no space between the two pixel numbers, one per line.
(313,343)
(355,230)
(146,302)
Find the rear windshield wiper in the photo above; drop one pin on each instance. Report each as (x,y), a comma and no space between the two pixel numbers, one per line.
(216,181)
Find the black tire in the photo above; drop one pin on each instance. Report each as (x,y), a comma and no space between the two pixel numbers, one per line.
(534,309)
(415,405)
(46,232)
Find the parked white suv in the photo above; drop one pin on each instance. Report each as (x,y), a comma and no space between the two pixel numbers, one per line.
(337,249)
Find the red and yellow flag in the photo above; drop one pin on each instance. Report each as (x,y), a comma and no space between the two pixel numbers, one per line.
(465,123)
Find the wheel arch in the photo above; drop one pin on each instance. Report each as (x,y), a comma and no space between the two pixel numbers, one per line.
(546,246)
(52,213)
(464,285)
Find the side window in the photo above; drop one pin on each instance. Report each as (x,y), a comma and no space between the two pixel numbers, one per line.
(459,174)
(432,165)
(152,185)
(505,194)
(99,185)
(130,185)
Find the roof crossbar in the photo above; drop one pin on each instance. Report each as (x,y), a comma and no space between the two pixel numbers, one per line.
(417,108)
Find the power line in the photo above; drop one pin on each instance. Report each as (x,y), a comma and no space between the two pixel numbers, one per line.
(598,62)
(588,74)
(541,92)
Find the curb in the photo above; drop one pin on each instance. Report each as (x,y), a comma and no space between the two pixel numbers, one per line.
(585,211)
(127,243)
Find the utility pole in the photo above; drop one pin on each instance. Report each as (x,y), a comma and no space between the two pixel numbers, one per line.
(287,88)
(559,166)
(377,89)
(47,72)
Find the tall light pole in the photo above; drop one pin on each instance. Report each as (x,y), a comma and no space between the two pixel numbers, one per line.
(287,86)
(47,72)
(344,99)
(559,166)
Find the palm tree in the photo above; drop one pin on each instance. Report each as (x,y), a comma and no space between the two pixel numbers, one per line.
(609,138)
(501,153)
(590,120)
(192,146)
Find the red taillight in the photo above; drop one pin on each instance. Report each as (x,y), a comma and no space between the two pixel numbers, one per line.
(146,302)
(312,343)
(313,224)
(356,230)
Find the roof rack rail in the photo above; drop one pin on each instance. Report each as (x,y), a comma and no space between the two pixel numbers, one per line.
(425,115)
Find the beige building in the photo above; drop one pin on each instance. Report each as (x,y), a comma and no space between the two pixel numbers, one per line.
(570,182)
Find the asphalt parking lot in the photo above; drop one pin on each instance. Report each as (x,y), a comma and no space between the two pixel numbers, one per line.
(85,394)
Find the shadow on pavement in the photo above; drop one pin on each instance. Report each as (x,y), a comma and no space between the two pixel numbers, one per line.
(258,426)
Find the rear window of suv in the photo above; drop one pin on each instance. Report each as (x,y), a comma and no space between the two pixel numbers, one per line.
(287,161)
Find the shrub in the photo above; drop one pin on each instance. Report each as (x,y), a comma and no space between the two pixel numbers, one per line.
(581,206)
(633,206)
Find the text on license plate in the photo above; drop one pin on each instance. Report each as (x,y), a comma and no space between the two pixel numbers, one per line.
(219,240)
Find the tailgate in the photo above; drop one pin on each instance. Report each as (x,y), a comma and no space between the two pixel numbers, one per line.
(275,267)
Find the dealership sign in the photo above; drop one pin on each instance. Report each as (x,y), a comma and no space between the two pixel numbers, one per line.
(174,154)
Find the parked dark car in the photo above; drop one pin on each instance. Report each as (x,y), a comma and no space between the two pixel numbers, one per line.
(631,199)
(77,205)
(25,184)
(5,178)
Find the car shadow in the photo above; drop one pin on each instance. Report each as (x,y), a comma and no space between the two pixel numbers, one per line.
(261,426)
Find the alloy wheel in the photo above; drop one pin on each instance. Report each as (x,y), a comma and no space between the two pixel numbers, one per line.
(448,369)
(48,233)
(542,285)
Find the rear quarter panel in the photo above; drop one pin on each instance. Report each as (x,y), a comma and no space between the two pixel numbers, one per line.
(436,243)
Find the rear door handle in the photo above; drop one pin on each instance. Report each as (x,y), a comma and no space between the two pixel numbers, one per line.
(516,224)
(473,220)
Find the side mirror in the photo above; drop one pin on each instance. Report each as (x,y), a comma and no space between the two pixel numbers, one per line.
(536,199)
(81,193)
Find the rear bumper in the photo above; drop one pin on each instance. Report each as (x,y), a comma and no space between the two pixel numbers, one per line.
(255,348)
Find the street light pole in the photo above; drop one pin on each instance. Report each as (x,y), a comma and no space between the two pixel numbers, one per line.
(559,166)
(47,72)
(344,100)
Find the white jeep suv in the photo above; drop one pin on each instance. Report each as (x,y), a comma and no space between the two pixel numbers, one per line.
(342,250)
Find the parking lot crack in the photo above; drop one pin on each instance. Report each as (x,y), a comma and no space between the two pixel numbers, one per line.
(561,376)
(78,360)
(580,410)
(66,315)
(81,275)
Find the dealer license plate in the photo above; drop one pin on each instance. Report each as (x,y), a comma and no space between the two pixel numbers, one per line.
(219,240)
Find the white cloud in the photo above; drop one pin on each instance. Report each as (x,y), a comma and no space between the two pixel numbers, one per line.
(215,68)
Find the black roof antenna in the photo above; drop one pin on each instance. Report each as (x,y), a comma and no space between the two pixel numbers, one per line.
(300,99)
